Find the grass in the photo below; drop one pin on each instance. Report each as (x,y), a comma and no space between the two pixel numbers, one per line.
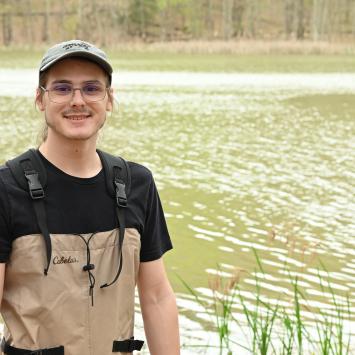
(204,56)
(271,328)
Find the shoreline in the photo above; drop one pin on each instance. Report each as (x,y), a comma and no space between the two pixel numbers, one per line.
(240,47)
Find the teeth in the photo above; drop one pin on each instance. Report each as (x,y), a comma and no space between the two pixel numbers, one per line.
(76,118)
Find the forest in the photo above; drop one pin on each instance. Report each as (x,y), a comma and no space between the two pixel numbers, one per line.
(108,22)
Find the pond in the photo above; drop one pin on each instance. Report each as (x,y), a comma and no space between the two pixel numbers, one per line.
(245,164)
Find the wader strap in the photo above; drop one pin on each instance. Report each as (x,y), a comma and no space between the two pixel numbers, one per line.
(118,184)
(121,201)
(11,350)
(30,174)
(126,346)
(37,195)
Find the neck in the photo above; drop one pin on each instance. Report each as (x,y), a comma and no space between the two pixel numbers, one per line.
(77,158)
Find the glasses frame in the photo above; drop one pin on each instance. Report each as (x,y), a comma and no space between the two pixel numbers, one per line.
(70,97)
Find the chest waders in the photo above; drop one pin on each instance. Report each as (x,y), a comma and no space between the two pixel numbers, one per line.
(52,313)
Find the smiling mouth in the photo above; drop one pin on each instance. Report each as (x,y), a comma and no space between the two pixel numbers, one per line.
(76,117)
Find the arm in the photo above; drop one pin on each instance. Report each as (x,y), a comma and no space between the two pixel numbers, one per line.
(2,278)
(159,309)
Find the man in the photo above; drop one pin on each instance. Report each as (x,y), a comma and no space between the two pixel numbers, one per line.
(72,292)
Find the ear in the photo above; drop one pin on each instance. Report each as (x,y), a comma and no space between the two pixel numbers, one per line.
(109,105)
(39,100)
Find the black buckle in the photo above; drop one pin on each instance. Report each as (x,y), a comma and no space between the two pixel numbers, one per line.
(35,187)
(127,346)
(121,197)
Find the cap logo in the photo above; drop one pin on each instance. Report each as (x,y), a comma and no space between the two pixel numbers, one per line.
(81,45)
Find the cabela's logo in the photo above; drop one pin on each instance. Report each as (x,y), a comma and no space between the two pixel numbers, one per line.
(64,260)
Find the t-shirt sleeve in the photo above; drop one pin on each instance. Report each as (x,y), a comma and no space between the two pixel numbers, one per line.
(5,238)
(155,240)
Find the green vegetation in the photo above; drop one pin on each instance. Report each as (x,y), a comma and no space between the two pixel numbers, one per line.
(138,60)
(44,21)
(273,328)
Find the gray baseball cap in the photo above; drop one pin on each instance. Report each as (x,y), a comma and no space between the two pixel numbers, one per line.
(76,48)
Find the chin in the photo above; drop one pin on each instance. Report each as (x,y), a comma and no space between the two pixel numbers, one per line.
(82,136)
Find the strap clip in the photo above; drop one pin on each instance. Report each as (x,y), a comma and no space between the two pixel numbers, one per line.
(121,197)
(88,267)
(34,185)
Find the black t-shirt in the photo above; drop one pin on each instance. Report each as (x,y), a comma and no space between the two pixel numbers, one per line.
(82,205)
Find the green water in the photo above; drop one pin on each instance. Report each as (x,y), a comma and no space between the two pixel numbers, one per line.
(237,169)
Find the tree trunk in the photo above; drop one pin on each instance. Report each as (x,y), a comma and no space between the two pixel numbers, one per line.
(208,19)
(164,22)
(62,19)
(125,15)
(319,19)
(289,11)
(300,19)
(227,19)
(46,22)
(252,15)
(7,28)
(237,17)
(352,19)
(79,28)
(142,25)
(31,22)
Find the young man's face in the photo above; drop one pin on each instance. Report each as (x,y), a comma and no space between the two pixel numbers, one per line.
(76,119)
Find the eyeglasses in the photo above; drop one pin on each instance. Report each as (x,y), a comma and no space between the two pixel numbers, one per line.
(62,92)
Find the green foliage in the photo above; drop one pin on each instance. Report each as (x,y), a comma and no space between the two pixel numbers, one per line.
(142,16)
(70,26)
(265,319)
(182,19)
(145,59)
(165,4)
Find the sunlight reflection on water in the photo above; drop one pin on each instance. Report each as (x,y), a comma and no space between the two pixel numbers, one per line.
(22,82)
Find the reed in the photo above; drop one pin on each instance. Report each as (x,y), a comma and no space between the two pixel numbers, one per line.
(272,328)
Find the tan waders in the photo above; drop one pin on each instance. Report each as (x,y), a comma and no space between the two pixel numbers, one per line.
(67,307)
(60,292)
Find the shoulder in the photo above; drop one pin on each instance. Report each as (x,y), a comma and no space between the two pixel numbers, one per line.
(140,173)
(142,183)
(6,177)
(3,168)
(8,187)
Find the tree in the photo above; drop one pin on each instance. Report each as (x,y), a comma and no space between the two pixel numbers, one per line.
(227,6)
(252,12)
(300,19)
(46,22)
(289,8)
(142,16)
(319,19)
(238,12)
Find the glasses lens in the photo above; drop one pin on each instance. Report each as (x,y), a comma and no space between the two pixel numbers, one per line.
(62,92)
(93,92)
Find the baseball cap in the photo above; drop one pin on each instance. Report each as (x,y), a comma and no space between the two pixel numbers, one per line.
(76,48)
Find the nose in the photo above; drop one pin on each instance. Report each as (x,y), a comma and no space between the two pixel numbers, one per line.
(77,98)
